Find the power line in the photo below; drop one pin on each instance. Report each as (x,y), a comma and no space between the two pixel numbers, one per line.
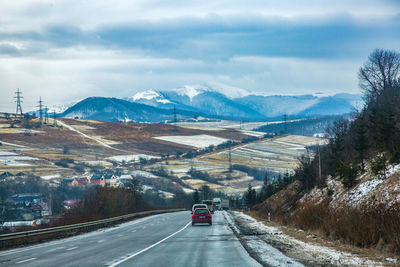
(230,159)
(18,96)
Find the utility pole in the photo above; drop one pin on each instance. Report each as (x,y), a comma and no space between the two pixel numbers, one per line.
(319,164)
(40,106)
(18,97)
(230,159)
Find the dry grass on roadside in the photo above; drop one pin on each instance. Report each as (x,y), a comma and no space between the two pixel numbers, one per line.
(377,227)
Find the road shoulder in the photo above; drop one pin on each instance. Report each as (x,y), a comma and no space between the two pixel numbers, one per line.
(310,252)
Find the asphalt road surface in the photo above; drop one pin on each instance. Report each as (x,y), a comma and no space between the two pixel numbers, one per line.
(160,240)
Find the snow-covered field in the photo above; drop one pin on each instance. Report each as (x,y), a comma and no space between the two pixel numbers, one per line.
(253,133)
(226,124)
(199,141)
(143,174)
(277,154)
(7,153)
(129,158)
(50,177)
(11,144)
(14,159)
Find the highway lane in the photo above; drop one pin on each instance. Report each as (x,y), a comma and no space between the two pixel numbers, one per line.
(160,240)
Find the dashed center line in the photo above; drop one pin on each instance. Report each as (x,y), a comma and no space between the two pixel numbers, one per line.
(101,241)
(72,248)
(31,259)
(133,231)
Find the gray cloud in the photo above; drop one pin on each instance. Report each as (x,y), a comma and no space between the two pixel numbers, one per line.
(67,50)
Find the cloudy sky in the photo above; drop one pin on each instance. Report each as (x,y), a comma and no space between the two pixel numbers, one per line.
(68,50)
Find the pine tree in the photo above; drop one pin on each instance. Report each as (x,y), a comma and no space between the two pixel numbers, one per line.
(250,196)
(361,143)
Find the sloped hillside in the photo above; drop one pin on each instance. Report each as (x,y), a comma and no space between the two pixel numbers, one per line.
(370,191)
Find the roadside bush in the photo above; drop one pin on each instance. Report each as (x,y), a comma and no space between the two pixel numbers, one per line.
(365,227)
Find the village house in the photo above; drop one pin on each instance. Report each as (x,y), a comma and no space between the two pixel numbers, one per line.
(80,181)
(110,179)
(76,181)
(98,179)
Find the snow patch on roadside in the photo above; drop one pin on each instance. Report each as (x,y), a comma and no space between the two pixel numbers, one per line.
(268,254)
(228,217)
(306,251)
(265,252)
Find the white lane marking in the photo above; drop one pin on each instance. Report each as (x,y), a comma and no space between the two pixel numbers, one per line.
(149,247)
(31,259)
(133,231)
(101,241)
(120,235)
(69,239)
(54,249)
(72,248)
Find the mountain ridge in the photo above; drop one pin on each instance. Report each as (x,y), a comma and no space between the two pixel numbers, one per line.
(206,101)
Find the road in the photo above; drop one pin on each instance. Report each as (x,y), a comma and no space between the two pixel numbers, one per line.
(160,240)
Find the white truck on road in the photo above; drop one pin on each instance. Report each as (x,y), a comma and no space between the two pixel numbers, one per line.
(225,204)
(217,203)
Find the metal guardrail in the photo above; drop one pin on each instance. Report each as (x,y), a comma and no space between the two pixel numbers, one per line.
(80,226)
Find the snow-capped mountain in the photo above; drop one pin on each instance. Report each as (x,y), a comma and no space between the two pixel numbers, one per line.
(212,101)
(198,98)
(114,109)
(229,91)
(223,100)
(149,95)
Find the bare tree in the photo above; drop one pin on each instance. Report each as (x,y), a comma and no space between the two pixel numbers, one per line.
(382,70)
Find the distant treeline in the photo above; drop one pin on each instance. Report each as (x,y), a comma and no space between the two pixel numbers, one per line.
(308,126)
(257,173)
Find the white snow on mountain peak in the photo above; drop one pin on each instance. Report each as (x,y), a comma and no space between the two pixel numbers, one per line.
(163,101)
(148,95)
(227,90)
(190,91)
